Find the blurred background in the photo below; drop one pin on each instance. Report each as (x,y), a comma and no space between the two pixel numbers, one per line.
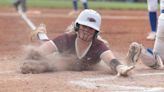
(94,4)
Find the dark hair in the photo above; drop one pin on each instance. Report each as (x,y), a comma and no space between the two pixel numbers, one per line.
(76,27)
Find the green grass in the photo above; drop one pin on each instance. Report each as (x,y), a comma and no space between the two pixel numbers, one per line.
(68,4)
(118,5)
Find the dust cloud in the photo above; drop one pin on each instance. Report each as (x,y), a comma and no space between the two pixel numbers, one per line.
(34,62)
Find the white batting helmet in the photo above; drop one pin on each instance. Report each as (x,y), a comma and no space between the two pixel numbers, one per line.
(90,18)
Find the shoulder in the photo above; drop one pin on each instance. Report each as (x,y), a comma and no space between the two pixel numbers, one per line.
(99,42)
(100,45)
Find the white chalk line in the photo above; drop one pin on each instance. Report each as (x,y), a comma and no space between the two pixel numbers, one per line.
(111,78)
(67,16)
(95,85)
(150,74)
(92,83)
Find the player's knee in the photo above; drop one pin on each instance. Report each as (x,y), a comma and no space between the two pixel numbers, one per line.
(152,9)
(147,58)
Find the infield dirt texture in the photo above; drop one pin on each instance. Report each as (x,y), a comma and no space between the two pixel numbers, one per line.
(120,28)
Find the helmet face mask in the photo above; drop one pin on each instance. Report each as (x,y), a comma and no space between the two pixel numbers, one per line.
(86,33)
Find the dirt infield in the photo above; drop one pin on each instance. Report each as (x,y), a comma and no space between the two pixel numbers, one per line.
(120,28)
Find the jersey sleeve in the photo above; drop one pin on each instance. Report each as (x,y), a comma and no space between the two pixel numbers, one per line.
(61,42)
(101,47)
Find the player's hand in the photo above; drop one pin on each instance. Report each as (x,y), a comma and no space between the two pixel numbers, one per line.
(40,29)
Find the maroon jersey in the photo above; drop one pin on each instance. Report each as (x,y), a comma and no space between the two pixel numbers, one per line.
(66,44)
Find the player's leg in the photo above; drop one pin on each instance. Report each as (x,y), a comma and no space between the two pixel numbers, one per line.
(85,4)
(16,3)
(159,43)
(75,8)
(150,59)
(152,9)
(162,6)
(155,60)
(23,5)
(75,5)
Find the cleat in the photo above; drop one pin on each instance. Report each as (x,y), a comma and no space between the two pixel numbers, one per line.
(122,70)
(159,62)
(134,53)
(151,36)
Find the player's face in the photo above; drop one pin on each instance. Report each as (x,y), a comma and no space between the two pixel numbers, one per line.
(86,33)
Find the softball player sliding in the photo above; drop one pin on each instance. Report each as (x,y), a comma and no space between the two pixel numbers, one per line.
(82,42)
(155,58)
